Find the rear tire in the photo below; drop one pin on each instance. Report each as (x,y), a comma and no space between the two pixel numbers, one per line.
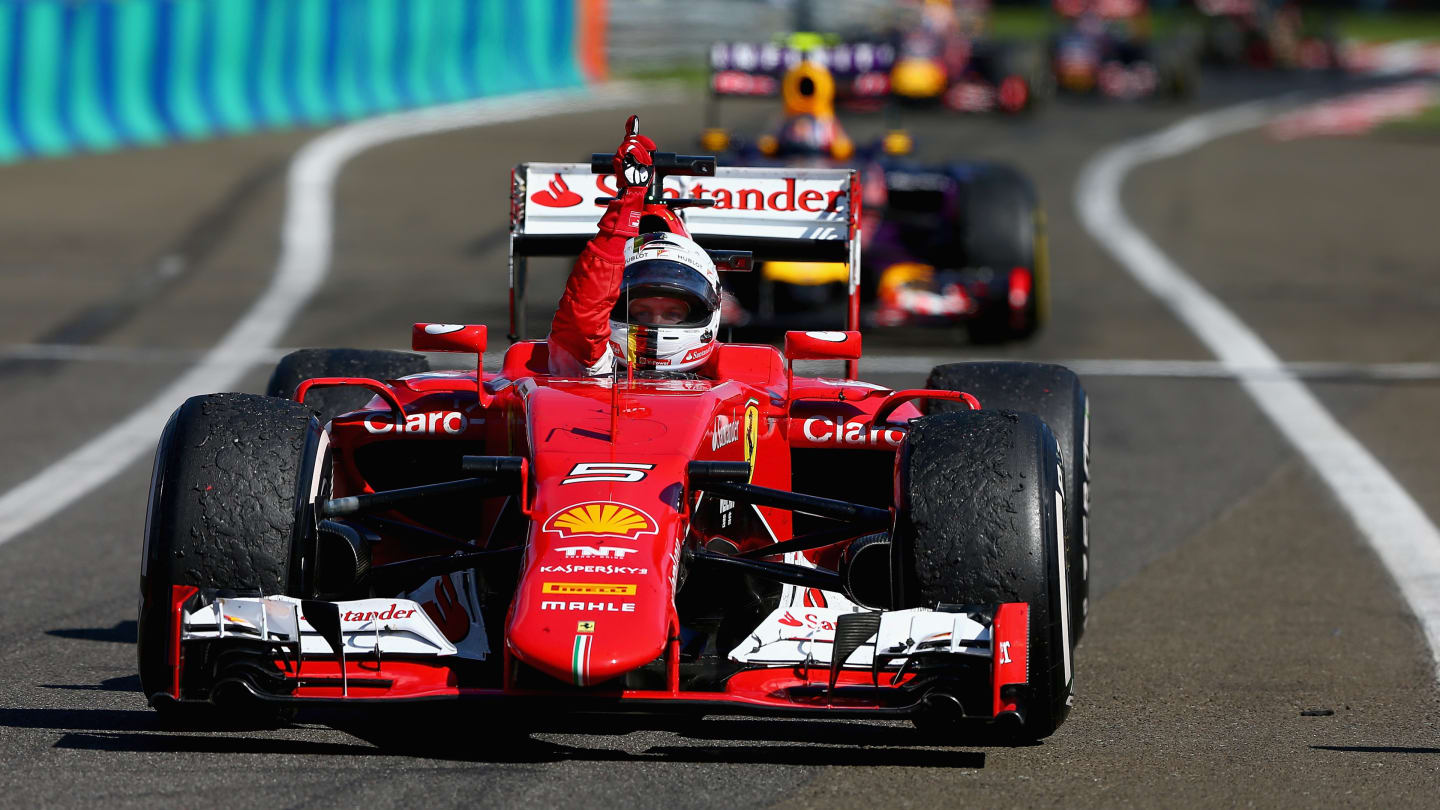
(230,508)
(977,523)
(1177,65)
(328,403)
(1002,229)
(1053,393)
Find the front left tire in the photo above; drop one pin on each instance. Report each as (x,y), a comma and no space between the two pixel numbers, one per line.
(230,508)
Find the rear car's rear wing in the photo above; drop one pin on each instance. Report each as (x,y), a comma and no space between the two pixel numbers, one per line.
(1104,9)
(754,69)
(777,213)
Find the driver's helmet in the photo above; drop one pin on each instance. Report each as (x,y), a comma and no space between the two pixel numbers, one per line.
(668,312)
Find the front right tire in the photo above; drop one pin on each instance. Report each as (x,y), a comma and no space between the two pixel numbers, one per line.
(1053,393)
(978,521)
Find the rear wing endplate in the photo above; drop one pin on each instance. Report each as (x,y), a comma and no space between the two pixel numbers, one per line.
(778,213)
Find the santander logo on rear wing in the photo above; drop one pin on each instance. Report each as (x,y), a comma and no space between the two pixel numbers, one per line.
(799,205)
(777,213)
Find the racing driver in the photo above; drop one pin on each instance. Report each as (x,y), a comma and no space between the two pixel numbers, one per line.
(652,299)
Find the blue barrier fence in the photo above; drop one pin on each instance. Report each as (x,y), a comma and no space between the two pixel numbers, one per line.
(100,74)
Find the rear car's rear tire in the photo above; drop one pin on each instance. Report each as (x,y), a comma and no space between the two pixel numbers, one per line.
(1003,230)
(1053,393)
(1177,65)
(304,364)
(230,508)
(977,522)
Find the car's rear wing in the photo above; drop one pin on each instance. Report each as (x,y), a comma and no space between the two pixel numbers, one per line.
(775,212)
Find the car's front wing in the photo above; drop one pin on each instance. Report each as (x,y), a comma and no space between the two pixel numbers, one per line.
(385,650)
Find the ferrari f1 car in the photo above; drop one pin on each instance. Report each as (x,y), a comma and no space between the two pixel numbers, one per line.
(743,540)
(959,244)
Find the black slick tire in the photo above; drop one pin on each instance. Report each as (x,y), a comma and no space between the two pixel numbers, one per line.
(1003,228)
(304,364)
(1053,393)
(229,508)
(976,498)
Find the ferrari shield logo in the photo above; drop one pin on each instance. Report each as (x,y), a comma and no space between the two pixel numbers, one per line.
(601,519)
(751,435)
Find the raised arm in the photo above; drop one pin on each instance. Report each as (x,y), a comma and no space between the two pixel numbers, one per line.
(579,339)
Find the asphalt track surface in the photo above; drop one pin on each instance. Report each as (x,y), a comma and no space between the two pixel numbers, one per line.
(1230,592)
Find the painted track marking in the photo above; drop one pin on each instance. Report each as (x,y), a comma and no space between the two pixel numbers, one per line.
(302,267)
(888,363)
(1402,535)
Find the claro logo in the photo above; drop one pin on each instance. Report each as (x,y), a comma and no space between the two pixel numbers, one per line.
(452,422)
(822,430)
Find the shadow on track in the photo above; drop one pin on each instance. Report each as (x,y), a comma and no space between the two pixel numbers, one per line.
(1376,749)
(122,683)
(499,740)
(198,744)
(812,743)
(122,632)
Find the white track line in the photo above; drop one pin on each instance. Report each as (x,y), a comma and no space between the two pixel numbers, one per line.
(1404,538)
(1195,369)
(885,363)
(304,262)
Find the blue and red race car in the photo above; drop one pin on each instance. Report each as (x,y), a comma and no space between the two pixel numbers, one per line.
(959,244)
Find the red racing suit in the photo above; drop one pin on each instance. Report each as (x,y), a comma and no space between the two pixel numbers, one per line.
(579,340)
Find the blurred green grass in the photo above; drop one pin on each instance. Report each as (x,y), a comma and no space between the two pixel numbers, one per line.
(1372,27)
(1037,22)
(1427,122)
(1021,23)
(696,74)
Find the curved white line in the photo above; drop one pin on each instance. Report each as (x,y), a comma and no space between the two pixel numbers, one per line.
(1402,535)
(303,265)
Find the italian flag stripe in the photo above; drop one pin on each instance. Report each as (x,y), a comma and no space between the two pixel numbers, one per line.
(580,659)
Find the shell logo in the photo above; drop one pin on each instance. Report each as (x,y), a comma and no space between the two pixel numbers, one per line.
(601,519)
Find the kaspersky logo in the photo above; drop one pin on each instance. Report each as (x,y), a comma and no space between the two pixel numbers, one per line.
(601,519)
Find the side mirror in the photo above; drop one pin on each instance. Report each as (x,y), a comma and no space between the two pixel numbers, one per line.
(448,337)
(822,346)
(455,337)
(732,261)
(819,346)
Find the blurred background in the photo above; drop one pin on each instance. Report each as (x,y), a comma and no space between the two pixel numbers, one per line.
(262,175)
(85,75)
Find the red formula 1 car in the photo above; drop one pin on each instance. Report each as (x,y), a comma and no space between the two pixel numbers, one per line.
(741,540)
